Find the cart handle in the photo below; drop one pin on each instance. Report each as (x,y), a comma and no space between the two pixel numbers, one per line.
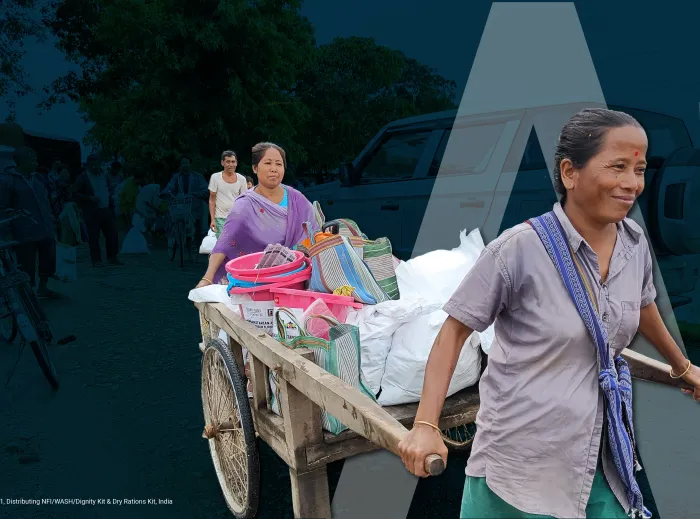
(434,465)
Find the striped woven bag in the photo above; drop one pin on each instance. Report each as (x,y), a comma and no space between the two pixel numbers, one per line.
(377,254)
(338,263)
(339,356)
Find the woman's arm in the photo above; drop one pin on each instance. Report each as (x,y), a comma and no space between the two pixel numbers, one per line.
(215,261)
(652,327)
(212,208)
(424,440)
(440,368)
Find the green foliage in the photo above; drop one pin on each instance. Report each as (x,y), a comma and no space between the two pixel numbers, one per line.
(353,87)
(163,77)
(19,20)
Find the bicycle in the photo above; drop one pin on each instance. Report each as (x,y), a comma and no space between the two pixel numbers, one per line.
(21,313)
(181,226)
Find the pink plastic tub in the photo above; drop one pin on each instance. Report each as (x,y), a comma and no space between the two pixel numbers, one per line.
(292,297)
(264,292)
(245,265)
(258,276)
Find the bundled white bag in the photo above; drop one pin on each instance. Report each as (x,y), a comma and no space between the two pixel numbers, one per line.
(402,382)
(66,266)
(377,324)
(135,241)
(208,243)
(434,276)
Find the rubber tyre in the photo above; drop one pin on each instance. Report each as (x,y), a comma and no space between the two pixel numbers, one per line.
(238,386)
(41,352)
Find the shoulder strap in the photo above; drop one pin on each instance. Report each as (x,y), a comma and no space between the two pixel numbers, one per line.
(549,229)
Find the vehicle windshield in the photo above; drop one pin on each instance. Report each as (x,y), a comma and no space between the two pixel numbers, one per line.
(666,134)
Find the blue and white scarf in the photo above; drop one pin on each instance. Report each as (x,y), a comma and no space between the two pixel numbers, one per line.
(614,379)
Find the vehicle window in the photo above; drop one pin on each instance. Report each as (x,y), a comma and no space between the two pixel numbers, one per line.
(396,157)
(466,150)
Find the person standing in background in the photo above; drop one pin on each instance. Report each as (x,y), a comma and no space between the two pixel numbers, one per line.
(187,182)
(21,188)
(250,182)
(91,192)
(114,178)
(224,187)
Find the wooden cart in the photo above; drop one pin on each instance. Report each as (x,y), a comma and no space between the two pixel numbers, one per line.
(233,420)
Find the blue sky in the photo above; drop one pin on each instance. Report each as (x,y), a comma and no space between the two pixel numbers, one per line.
(644,54)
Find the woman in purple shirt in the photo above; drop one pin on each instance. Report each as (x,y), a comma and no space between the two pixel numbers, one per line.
(549,443)
(270,213)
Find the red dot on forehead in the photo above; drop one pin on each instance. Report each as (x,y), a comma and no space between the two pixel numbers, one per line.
(636,153)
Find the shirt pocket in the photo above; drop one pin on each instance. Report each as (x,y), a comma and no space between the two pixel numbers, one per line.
(629,324)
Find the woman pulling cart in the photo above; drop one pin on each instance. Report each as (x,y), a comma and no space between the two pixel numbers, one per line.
(567,292)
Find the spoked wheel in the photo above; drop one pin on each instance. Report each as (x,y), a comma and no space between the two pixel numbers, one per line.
(40,347)
(41,353)
(8,322)
(230,430)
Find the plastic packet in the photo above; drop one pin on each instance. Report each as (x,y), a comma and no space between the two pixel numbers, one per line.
(318,327)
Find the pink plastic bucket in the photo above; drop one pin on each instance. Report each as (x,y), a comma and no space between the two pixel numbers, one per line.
(245,265)
(263,292)
(259,277)
(291,297)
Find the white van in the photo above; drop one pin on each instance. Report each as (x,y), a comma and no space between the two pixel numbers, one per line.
(388,187)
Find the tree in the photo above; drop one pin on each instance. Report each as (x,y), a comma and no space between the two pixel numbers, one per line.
(164,77)
(19,20)
(353,87)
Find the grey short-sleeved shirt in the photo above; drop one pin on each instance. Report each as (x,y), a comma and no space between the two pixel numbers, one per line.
(540,424)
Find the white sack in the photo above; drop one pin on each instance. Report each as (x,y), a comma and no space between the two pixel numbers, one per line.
(377,324)
(66,265)
(134,241)
(208,243)
(434,276)
(437,274)
(402,382)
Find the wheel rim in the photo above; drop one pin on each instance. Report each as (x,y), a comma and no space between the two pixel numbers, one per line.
(228,447)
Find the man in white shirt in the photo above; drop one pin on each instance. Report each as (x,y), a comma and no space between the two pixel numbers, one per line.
(224,188)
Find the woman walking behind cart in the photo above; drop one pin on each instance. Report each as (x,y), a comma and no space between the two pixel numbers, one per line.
(549,441)
(270,213)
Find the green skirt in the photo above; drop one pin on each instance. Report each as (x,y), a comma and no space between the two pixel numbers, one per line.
(219,226)
(478,501)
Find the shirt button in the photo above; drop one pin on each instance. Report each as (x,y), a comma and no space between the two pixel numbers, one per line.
(591,472)
(605,316)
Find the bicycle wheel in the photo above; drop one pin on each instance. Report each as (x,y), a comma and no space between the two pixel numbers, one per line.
(8,322)
(43,335)
(183,240)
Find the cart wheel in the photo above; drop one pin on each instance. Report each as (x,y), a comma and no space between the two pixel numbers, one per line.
(230,430)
